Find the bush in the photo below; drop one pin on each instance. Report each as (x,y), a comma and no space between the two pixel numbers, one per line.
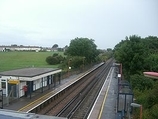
(55,59)
(140,82)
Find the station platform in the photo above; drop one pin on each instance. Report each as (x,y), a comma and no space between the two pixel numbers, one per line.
(106,103)
(22,104)
(16,109)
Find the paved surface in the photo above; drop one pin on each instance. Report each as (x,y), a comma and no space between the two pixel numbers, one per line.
(105,105)
(18,104)
(109,109)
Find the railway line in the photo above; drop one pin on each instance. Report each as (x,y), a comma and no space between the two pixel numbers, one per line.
(78,100)
(73,100)
(84,100)
(82,111)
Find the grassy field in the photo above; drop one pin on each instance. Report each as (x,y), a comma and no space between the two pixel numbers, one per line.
(15,60)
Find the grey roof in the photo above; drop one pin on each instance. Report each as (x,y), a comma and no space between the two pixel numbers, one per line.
(27,72)
(10,114)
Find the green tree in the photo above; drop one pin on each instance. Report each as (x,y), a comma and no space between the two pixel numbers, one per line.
(140,82)
(152,43)
(77,61)
(54,59)
(83,47)
(138,55)
(55,46)
(151,62)
(131,53)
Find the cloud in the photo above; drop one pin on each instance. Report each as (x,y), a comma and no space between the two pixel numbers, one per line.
(45,22)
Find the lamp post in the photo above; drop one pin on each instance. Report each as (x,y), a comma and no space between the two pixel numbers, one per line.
(69,66)
(138,105)
(83,63)
(121,70)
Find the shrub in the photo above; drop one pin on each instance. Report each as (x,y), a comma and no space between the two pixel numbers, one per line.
(55,59)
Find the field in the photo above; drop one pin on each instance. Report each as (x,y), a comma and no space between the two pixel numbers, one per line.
(15,60)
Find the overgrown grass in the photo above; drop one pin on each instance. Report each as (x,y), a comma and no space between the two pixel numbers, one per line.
(15,60)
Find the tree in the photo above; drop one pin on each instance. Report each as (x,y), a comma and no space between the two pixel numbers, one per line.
(54,59)
(83,47)
(138,55)
(140,82)
(151,62)
(131,53)
(55,46)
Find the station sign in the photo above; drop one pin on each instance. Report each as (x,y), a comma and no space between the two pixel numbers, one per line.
(13,81)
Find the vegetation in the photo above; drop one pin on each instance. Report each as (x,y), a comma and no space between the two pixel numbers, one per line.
(81,52)
(55,46)
(138,55)
(105,54)
(54,59)
(14,60)
(83,47)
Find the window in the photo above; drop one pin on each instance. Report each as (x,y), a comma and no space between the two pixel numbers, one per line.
(3,84)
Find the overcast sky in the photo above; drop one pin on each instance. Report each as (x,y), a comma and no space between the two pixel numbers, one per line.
(48,22)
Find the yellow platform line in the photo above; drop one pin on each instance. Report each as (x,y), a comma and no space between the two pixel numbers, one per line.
(40,98)
(34,101)
(102,107)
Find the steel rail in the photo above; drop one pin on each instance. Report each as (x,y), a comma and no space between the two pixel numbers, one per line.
(78,104)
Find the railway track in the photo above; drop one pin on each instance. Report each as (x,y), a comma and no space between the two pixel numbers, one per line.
(84,101)
(77,101)
(82,111)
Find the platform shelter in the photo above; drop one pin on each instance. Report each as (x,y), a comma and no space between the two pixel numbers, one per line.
(125,96)
(23,82)
(124,93)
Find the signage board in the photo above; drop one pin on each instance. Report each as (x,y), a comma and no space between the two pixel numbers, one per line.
(13,81)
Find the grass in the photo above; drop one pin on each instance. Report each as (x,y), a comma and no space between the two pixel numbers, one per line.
(15,60)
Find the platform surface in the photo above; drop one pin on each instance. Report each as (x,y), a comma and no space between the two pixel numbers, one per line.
(23,103)
(105,105)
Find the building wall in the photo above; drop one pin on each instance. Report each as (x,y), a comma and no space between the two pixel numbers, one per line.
(20,48)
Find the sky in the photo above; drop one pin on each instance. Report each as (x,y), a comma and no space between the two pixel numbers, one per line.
(48,22)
